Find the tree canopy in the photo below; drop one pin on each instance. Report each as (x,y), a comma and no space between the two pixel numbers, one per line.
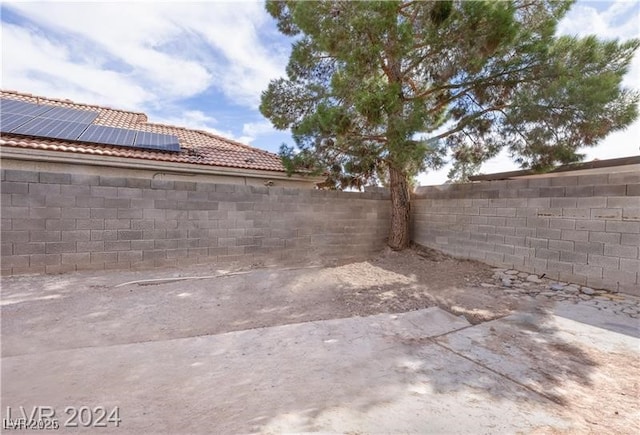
(385,90)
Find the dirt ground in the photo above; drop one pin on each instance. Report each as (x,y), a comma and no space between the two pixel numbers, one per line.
(574,357)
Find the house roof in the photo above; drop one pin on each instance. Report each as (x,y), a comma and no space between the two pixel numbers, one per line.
(197,147)
(630,163)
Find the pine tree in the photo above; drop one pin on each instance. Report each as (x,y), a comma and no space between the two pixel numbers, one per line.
(389,89)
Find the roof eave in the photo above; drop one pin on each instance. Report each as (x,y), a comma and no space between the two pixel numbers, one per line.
(28,154)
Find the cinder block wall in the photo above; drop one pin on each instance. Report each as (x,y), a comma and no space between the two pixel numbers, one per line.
(581,229)
(55,222)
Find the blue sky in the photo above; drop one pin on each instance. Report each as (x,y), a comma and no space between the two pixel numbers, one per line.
(203,65)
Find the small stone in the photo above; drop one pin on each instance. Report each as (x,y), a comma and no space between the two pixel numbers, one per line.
(585,297)
(587,290)
(534,278)
(506,282)
(556,286)
(485,285)
(571,289)
(512,272)
(523,275)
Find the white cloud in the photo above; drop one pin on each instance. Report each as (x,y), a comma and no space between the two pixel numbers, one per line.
(254,129)
(164,51)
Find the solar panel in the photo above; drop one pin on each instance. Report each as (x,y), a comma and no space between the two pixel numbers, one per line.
(157,141)
(44,120)
(9,121)
(73,115)
(108,135)
(51,128)
(22,108)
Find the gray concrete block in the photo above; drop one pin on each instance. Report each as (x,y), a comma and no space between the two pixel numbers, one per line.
(550,192)
(593,202)
(25,200)
(41,260)
(547,254)
(621,251)
(564,223)
(28,248)
(44,236)
(11,236)
(103,213)
(623,202)
(113,181)
(630,239)
(184,185)
(629,265)
(622,227)
(587,270)
(104,257)
(559,266)
(75,190)
(14,187)
(10,212)
(573,257)
(91,246)
(120,245)
(60,201)
(104,234)
(579,191)
(76,258)
(28,224)
(75,236)
(129,234)
(576,213)
(76,213)
(633,190)
(124,213)
(85,180)
(139,183)
(620,276)
(54,178)
(104,192)
(537,222)
(589,247)
(129,193)
(606,213)
(60,247)
(576,236)
(593,179)
(599,236)
(90,224)
(629,177)
(548,233)
(21,176)
(60,224)
(631,214)
(153,214)
(143,245)
(590,225)
(15,261)
(561,245)
(89,202)
(610,190)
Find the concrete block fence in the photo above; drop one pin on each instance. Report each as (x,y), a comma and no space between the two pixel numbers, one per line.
(56,222)
(582,229)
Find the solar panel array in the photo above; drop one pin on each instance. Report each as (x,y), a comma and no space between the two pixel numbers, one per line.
(54,122)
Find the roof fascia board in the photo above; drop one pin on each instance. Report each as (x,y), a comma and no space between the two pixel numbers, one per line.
(152,165)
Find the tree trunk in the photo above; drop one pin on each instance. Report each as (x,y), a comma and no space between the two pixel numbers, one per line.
(400,210)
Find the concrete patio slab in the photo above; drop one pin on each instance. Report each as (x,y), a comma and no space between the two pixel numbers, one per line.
(374,374)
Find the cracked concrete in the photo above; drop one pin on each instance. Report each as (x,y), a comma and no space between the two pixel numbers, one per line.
(273,351)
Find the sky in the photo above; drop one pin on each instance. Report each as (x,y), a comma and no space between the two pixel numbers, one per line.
(203,65)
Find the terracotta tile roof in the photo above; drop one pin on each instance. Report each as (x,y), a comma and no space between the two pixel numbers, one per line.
(197,147)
